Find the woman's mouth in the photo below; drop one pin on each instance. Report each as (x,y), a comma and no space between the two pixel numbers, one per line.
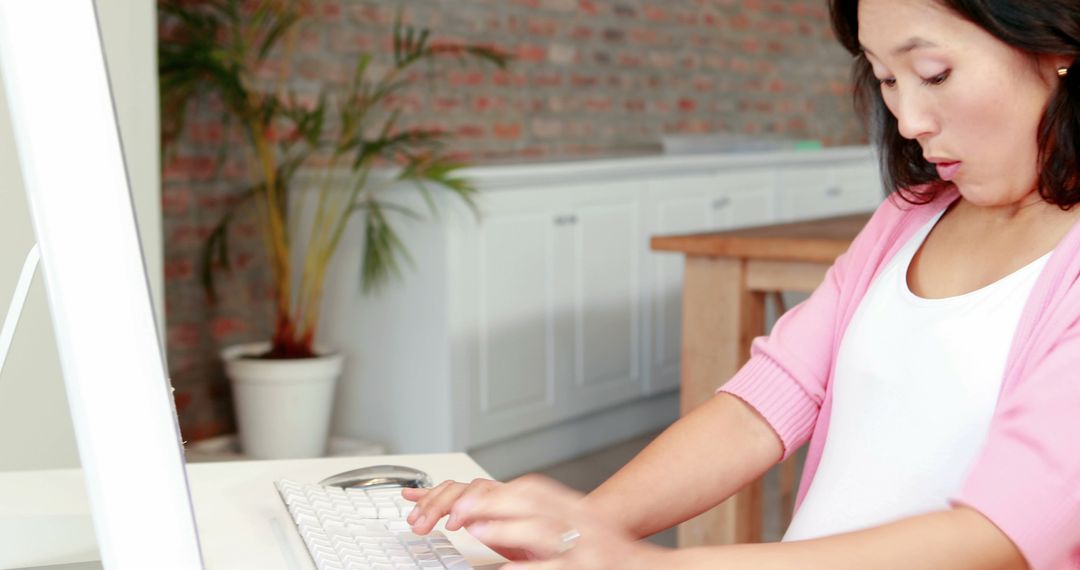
(947,170)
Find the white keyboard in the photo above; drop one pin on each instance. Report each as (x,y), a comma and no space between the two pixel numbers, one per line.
(357,529)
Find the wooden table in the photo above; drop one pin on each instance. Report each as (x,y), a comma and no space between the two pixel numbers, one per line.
(726,280)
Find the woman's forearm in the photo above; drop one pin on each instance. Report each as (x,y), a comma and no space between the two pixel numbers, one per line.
(699,461)
(957,539)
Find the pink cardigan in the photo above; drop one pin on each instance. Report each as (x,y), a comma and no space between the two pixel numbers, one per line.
(1026,479)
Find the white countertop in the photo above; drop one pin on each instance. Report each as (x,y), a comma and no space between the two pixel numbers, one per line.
(45,517)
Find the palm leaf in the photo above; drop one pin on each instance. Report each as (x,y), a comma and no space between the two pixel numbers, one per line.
(381,250)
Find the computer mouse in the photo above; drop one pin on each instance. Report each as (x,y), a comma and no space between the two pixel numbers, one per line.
(379,476)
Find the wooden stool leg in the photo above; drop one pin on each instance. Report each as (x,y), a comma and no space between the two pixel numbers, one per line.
(720,319)
(788,469)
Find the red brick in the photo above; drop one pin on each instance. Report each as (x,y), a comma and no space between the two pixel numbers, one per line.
(205,132)
(243,260)
(372,15)
(177,269)
(224,327)
(446,104)
(465,78)
(330,10)
(547,80)
(507,131)
(351,42)
(703,84)
(185,167)
(508,79)
(687,105)
(544,28)
(471,131)
(688,18)
(644,36)
(183,336)
(582,33)
(175,201)
(655,14)
(797,124)
(583,80)
(531,52)
(483,103)
(309,41)
(590,7)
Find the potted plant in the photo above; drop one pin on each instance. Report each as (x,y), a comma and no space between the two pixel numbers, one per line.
(283,388)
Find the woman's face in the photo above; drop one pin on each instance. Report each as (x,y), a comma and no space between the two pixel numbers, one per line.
(971,101)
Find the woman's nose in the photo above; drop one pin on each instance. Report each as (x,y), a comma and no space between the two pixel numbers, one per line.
(914,117)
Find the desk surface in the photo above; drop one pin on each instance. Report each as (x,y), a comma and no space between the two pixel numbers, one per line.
(821,240)
(45,517)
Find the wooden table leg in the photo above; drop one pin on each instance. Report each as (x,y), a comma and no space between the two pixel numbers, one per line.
(720,319)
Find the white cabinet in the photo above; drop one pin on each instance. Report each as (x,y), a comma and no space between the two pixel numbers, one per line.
(553,311)
(807,191)
(555,306)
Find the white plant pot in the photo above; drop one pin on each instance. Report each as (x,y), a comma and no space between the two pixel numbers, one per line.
(282,406)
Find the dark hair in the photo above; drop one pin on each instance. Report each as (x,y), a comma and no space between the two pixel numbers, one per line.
(1050,27)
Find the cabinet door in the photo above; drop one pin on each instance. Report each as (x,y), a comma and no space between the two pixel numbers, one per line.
(861,182)
(606,285)
(743,199)
(805,192)
(558,316)
(513,380)
(824,190)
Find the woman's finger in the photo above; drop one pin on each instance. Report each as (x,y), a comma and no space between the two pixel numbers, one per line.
(475,489)
(433,506)
(414,493)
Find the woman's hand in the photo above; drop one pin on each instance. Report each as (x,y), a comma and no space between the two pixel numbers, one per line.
(552,525)
(437,502)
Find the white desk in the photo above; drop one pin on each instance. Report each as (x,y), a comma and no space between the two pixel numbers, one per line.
(45,518)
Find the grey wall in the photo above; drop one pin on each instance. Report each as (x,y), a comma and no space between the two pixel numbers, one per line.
(35,430)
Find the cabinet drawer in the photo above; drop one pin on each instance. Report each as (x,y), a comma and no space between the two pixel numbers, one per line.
(809,192)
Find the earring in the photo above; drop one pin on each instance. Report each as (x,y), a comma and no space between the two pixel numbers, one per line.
(1062,71)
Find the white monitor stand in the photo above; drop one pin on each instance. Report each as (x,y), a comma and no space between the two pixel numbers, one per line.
(114,368)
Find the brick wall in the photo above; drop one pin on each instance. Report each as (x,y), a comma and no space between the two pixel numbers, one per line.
(590,78)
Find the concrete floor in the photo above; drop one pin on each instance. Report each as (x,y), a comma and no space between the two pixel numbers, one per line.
(587,472)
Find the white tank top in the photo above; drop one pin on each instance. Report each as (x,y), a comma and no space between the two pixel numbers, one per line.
(915,387)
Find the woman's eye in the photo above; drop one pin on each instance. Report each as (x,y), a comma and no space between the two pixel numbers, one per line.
(888,83)
(937,79)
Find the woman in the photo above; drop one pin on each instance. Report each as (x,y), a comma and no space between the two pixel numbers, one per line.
(940,355)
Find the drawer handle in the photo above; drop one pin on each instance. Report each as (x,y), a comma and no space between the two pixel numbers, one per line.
(565,220)
(721,203)
(834,191)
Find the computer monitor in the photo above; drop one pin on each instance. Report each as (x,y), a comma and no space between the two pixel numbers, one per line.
(113,363)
